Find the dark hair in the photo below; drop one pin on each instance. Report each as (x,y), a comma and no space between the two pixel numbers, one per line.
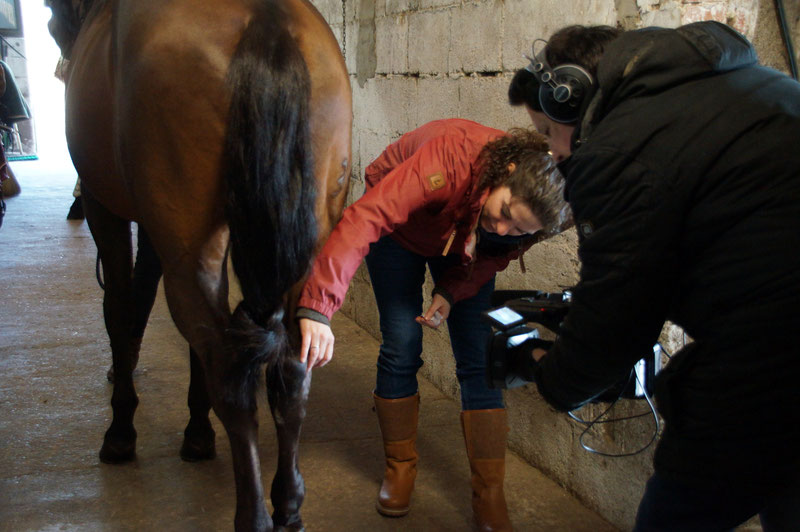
(535,180)
(578,45)
(524,89)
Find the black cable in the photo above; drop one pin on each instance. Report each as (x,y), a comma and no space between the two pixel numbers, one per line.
(787,38)
(598,420)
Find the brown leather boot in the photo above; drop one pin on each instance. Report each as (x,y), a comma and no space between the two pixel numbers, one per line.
(398,422)
(485,434)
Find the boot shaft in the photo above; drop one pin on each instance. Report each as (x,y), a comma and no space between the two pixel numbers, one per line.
(485,435)
(398,422)
(397,417)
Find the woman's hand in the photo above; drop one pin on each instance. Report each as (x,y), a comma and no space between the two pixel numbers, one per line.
(538,354)
(317,344)
(436,313)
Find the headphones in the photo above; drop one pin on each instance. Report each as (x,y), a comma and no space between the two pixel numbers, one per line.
(563,89)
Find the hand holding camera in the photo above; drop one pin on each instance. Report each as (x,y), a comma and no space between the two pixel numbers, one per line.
(510,360)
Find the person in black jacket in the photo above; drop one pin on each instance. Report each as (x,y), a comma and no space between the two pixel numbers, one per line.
(681,156)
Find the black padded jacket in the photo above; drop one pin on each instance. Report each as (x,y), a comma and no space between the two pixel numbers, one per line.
(685,187)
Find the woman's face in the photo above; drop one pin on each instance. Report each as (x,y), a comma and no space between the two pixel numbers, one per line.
(506,215)
(559,136)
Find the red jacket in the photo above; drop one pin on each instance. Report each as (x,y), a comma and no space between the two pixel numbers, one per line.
(423,190)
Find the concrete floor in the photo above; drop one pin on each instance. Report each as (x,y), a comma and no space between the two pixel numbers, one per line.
(55,409)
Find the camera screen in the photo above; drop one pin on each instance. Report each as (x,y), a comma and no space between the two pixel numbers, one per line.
(520,338)
(504,316)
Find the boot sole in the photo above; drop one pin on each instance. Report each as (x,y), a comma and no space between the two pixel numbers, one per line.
(391,512)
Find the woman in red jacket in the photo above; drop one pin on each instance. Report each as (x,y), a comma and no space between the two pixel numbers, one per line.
(463,199)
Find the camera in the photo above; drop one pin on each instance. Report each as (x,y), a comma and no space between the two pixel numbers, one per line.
(509,361)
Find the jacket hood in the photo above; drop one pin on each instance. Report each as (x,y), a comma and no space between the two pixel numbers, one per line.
(651,60)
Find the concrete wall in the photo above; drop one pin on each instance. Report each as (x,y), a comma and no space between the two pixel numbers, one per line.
(412,61)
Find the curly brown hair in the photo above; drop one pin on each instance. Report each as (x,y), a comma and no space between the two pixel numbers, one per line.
(535,181)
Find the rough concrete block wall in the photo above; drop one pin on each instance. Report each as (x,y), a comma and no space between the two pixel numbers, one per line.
(412,61)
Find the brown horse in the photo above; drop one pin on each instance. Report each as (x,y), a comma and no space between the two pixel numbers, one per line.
(216,126)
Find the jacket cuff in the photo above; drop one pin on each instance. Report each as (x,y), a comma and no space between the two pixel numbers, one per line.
(547,374)
(310,314)
(544,391)
(438,290)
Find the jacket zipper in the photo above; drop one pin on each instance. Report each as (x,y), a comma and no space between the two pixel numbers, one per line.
(449,243)
(522,260)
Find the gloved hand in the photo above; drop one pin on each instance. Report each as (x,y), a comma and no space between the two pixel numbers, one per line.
(520,358)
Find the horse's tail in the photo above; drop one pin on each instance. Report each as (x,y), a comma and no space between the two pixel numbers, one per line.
(271,191)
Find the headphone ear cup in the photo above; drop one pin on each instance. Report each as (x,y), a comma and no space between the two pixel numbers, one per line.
(563,103)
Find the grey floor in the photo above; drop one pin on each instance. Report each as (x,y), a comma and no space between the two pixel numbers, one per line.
(54,407)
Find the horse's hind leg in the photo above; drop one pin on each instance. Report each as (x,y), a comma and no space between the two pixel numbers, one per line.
(196,304)
(199,436)
(113,238)
(146,274)
(287,390)
(241,425)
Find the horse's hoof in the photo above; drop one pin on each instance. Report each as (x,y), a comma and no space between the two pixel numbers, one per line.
(290,528)
(284,523)
(117,452)
(197,450)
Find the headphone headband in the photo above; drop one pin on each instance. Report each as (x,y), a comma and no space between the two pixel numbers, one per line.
(562,89)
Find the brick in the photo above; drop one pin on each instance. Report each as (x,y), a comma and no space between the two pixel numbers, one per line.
(485,100)
(699,12)
(476,38)
(395,7)
(428,41)
(331,10)
(439,98)
(429,4)
(384,105)
(391,44)
(525,21)
(743,15)
(665,17)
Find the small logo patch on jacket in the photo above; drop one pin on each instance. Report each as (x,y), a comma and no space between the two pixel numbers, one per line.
(436,180)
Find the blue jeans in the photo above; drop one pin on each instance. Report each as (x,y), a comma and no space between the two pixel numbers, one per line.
(397,278)
(671,506)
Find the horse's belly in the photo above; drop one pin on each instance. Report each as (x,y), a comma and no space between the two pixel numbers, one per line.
(89,121)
